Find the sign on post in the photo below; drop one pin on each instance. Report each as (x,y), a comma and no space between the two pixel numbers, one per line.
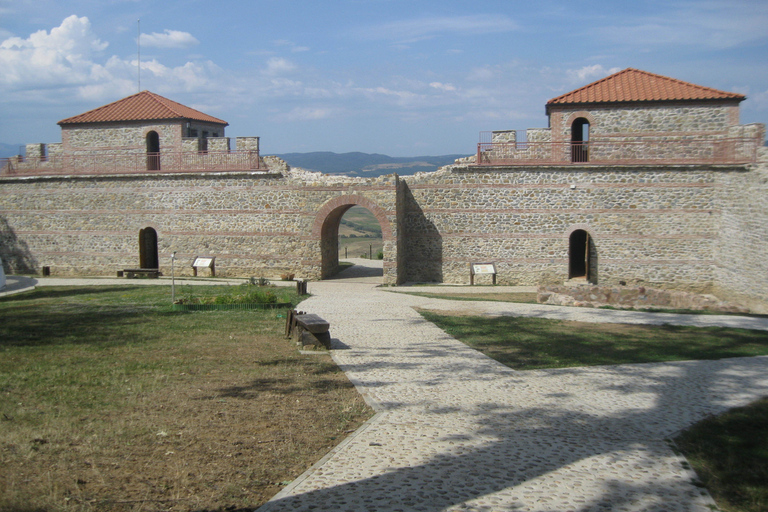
(481,268)
(204,262)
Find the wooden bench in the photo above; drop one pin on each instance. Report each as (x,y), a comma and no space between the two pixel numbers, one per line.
(307,329)
(130,273)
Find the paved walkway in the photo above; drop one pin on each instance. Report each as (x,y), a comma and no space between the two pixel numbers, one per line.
(455,430)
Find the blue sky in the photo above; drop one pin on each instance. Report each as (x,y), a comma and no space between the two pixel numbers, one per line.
(403,78)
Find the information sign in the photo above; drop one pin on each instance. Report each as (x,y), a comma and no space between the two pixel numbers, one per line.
(481,268)
(204,262)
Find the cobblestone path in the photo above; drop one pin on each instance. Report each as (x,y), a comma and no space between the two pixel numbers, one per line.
(455,430)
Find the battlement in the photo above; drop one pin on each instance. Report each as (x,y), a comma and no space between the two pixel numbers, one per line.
(51,159)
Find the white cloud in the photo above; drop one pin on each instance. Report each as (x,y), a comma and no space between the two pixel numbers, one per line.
(409,31)
(442,87)
(715,24)
(402,96)
(279,66)
(169,39)
(61,56)
(589,74)
(71,58)
(293,47)
(307,114)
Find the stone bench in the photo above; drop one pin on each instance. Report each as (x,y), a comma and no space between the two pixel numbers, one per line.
(130,273)
(307,329)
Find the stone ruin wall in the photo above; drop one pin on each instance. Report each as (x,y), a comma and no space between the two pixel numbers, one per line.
(254,224)
(649,227)
(740,254)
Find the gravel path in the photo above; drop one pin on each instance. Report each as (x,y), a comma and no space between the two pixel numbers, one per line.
(455,430)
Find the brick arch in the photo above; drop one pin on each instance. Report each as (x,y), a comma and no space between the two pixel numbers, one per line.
(349,201)
(326,228)
(572,116)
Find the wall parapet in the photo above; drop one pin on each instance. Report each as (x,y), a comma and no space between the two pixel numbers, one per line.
(132,163)
(622,151)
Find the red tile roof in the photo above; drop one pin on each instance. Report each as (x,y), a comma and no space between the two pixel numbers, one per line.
(632,85)
(144,106)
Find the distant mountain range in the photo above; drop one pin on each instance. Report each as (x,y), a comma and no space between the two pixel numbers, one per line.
(366,165)
(352,164)
(9,150)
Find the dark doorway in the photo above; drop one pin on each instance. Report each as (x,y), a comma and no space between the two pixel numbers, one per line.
(148,248)
(580,140)
(578,255)
(153,151)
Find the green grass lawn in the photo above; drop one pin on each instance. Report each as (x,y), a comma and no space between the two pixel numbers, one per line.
(109,400)
(729,452)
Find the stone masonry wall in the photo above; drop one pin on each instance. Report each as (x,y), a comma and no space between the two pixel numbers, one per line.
(648,226)
(119,137)
(255,224)
(665,119)
(741,263)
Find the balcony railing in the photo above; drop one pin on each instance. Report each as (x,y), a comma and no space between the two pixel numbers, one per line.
(638,151)
(132,163)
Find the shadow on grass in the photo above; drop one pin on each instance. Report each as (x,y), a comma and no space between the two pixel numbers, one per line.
(60,292)
(525,343)
(78,315)
(83,326)
(305,377)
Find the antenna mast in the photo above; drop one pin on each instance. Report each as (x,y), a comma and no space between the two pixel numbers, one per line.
(138,44)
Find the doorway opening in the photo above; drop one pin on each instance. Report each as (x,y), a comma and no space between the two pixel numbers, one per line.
(148,257)
(153,151)
(580,140)
(354,229)
(360,235)
(579,260)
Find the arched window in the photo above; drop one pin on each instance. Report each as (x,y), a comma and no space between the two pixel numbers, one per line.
(148,248)
(580,140)
(153,151)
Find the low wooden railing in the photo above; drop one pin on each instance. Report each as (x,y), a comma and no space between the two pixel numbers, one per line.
(639,151)
(132,163)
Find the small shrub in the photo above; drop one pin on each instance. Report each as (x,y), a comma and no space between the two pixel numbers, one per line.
(380,255)
(243,294)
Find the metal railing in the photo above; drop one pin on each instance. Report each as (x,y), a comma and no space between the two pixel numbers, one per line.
(132,163)
(638,151)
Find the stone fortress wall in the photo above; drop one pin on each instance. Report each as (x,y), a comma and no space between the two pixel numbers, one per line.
(256,224)
(697,230)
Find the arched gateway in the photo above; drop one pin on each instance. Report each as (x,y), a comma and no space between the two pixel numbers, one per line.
(326,229)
